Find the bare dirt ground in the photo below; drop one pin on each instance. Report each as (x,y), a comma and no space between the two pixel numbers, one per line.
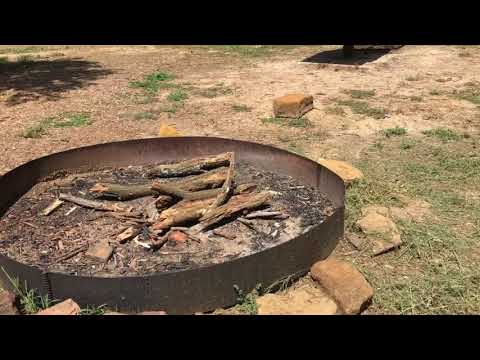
(409,119)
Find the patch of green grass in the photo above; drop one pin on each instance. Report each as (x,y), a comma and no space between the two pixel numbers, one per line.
(30,302)
(65,120)
(335,110)
(241,108)
(23,50)
(297,123)
(413,78)
(296,148)
(95,310)
(363,108)
(396,131)
(442,134)
(416,98)
(465,54)
(361,94)
(246,303)
(407,144)
(71,120)
(143,115)
(215,91)
(435,271)
(471,93)
(155,81)
(177,96)
(248,50)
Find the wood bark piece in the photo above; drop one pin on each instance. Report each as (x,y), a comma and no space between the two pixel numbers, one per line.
(151,212)
(52,207)
(180,217)
(93,204)
(121,192)
(70,254)
(226,190)
(266,214)
(224,234)
(128,234)
(236,205)
(190,167)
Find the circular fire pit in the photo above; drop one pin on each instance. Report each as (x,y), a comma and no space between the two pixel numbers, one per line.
(179,291)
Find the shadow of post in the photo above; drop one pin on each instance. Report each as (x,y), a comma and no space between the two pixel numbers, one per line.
(358,56)
(47,79)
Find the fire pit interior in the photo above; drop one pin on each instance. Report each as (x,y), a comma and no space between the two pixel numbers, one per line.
(167,217)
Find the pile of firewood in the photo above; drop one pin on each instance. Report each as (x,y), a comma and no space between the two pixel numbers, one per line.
(207,198)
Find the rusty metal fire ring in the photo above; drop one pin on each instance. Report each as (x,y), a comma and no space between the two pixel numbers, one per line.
(186,291)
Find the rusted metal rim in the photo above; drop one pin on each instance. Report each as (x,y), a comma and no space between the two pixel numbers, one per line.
(185,291)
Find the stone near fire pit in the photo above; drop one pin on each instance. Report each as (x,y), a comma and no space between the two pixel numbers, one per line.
(153,313)
(292,105)
(166,130)
(100,251)
(347,172)
(301,301)
(344,283)
(7,303)
(67,307)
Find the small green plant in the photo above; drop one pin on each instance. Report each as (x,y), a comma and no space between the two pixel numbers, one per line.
(442,134)
(248,50)
(153,82)
(335,110)
(407,144)
(95,310)
(60,121)
(361,94)
(295,122)
(471,94)
(396,131)
(363,108)
(416,98)
(296,148)
(71,120)
(177,96)
(241,108)
(246,303)
(413,78)
(215,91)
(143,115)
(30,302)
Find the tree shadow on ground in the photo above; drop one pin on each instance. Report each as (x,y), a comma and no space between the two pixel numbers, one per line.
(361,55)
(29,79)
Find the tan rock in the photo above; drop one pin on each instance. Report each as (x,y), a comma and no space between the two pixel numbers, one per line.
(355,240)
(374,223)
(167,131)
(381,247)
(67,307)
(101,251)
(301,301)
(177,236)
(7,303)
(347,172)
(152,313)
(344,283)
(292,105)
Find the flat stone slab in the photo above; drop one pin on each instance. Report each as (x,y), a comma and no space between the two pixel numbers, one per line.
(343,282)
(292,105)
(67,307)
(301,301)
(344,170)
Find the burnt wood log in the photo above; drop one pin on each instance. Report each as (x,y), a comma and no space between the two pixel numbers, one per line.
(189,167)
(97,205)
(236,205)
(122,192)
